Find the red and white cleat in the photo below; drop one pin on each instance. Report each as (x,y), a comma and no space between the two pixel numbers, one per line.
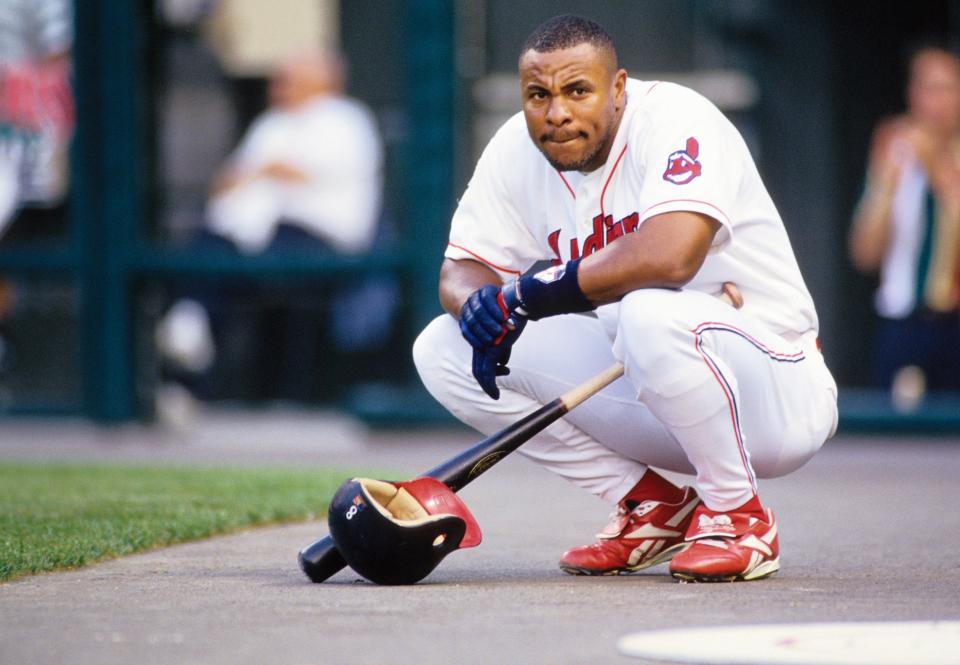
(728,547)
(635,539)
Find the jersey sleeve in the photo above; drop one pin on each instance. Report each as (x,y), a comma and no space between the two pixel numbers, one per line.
(488,225)
(688,162)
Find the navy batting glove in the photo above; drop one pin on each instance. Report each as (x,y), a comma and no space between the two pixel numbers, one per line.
(483,317)
(491,361)
(491,326)
(553,291)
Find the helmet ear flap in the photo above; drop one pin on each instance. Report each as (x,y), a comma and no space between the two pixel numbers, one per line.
(449,531)
(438,499)
(397,533)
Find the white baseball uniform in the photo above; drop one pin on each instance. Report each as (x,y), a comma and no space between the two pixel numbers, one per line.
(725,393)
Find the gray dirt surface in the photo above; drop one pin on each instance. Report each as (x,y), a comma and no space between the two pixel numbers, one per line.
(869,530)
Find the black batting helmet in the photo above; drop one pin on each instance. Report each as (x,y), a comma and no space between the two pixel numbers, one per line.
(397,533)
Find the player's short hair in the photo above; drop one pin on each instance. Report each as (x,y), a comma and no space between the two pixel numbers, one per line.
(566,31)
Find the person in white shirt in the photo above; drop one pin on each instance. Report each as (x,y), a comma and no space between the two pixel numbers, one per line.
(312,160)
(668,255)
(307,176)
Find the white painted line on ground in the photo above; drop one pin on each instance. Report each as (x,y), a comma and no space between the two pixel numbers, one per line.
(882,643)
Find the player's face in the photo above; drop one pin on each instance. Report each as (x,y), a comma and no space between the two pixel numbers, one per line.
(573,100)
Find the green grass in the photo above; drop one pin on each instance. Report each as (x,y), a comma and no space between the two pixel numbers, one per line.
(63,516)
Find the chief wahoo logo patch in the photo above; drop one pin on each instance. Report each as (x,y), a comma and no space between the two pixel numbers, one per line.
(682,165)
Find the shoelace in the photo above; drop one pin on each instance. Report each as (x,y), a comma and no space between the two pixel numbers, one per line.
(617,519)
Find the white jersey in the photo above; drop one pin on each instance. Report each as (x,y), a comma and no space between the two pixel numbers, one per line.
(674,151)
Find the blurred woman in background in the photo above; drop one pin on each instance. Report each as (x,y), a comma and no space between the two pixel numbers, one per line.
(907,228)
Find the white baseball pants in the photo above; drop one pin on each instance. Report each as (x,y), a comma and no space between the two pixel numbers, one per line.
(707,390)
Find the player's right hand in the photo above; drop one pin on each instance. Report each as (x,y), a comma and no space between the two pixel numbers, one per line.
(488,364)
(484,318)
(491,329)
(491,361)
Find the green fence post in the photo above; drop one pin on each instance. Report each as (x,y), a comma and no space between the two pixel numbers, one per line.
(107,205)
(428,163)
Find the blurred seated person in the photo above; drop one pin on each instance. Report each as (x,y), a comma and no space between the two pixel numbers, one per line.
(305,177)
(311,161)
(907,228)
(36,126)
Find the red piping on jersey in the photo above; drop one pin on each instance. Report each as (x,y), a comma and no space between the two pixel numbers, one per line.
(612,171)
(569,188)
(734,417)
(781,356)
(725,387)
(483,260)
(650,89)
(663,203)
(732,405)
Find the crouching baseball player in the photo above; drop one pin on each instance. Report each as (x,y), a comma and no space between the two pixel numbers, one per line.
(648,204)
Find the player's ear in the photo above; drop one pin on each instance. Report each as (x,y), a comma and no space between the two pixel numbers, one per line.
(620,88)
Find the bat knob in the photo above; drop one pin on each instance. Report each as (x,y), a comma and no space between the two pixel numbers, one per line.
(321,560)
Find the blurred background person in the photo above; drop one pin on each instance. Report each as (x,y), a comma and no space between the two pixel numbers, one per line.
(305,177)
(36,124)
(907,228)
(311,161)
(36,115)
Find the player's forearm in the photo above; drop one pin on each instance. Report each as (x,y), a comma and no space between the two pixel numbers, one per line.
(663,255)
(666,251)
(458,279)
(622,267)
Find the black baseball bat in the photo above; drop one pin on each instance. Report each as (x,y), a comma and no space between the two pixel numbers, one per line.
(321,559)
